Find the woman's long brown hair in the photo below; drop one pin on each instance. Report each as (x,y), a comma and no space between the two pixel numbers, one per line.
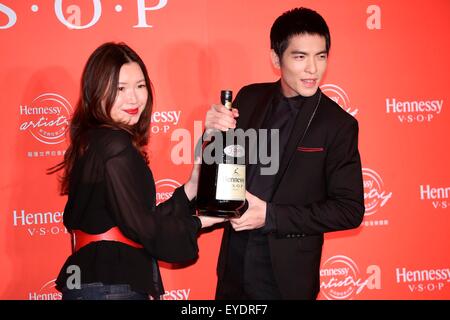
(98,92)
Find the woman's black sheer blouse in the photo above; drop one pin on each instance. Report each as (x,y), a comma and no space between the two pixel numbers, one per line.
(111,186)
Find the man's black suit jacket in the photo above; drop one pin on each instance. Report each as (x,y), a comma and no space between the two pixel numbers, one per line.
(319,186)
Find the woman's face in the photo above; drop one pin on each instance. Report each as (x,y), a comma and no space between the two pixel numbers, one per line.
(132,94)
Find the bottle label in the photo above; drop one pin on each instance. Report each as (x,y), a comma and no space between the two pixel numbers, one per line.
(230,182)
(234,150)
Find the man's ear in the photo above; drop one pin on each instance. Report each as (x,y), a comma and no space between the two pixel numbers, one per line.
(275,59)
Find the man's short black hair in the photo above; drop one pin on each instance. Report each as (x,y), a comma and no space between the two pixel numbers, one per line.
(294,22)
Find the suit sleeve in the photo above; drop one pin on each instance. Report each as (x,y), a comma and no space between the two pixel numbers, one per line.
(343,207)
(168,231)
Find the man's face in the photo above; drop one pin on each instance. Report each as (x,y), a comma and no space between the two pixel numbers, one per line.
(302,65)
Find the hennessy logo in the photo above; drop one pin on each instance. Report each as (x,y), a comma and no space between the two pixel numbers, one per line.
(70,15)
(165,189)
(46,118)
(235,151)
(341,278)
(375,196)
(338,95)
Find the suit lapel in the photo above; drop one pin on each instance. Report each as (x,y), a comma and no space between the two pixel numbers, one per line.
(261,105)
(302,122)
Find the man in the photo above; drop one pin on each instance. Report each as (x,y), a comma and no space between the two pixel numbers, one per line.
(273,250)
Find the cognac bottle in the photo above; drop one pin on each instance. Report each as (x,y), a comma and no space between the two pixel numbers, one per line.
(221,185)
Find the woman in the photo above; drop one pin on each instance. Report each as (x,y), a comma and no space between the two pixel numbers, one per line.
(118,231)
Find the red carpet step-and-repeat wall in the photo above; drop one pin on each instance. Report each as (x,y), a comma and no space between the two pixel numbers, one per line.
(389,67)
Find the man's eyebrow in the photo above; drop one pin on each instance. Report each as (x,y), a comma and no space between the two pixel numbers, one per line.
(306,53)
(298,52)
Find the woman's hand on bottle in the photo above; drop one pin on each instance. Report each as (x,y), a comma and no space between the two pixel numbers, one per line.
(210,221)
(190,187)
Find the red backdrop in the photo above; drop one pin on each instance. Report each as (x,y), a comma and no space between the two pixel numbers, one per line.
(388,66)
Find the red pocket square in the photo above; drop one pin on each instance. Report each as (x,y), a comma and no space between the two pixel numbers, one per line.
(307,149)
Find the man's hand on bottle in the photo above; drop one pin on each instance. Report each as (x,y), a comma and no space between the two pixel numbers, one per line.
(254,217)
(220,118)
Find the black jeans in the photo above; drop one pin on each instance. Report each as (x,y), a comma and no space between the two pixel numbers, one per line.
(100,291)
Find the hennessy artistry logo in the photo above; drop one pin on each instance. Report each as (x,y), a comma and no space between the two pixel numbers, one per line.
(165,189)
(340,278)
(46,292)
(46,118)
(375,194)
(338,95)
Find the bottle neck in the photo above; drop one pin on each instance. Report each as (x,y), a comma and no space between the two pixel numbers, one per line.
(228,105)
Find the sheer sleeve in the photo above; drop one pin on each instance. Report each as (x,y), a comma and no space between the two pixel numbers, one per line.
(168,231)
